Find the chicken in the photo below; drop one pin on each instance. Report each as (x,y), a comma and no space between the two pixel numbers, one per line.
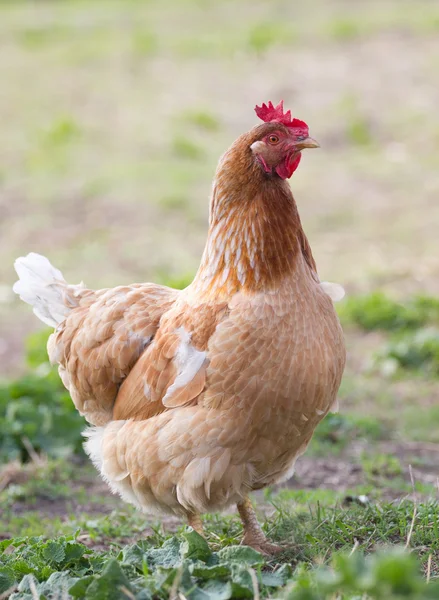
(197,397)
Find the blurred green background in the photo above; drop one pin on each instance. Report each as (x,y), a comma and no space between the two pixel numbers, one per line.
(114,113)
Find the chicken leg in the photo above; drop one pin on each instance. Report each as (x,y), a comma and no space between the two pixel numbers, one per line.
(253,534)
(194,521)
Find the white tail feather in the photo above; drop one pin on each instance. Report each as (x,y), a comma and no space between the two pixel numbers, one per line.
(42,286)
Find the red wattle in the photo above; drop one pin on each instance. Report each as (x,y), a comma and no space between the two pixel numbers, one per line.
(287,167)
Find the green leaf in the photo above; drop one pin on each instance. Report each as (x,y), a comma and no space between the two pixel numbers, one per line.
(217,590)
(4,544)
(55,587)
(79,588)
(242,582)
(243,555)
(134,556)
(194,546)
(74,551)
(36,347)
(21,567)
(165,577)
(54,552)
(144,594)
(58,582)
(7,579)
(25,583)
(241,591)
(108,585)
(46,572)
(398,569)
(203,571)
(36,406)
(166,556)
(277,578)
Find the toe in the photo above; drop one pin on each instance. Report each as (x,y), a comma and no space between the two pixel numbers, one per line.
(263,546)
(269,549)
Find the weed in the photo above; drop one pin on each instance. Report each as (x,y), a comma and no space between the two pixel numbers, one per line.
(376,311)
(417,350)
(36,412)
(413,325)
(336,431)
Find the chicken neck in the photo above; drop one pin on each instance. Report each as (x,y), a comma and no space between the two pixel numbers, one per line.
(255,233)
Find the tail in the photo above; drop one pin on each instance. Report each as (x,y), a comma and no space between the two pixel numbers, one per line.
(44,287)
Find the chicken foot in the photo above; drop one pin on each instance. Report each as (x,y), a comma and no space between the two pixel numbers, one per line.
(253,534)
(194,521)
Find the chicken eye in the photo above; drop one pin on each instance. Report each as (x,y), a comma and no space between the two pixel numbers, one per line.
(273,139)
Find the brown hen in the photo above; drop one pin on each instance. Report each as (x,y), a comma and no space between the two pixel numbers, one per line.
(200,396)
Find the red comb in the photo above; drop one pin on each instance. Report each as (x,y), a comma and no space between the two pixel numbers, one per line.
(268,112)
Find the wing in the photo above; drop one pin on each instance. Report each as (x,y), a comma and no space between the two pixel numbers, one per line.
(101,340)
(172,371)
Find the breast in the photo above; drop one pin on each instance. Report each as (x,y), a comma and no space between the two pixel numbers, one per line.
(280,356)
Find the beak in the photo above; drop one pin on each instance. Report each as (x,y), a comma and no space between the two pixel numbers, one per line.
(308,142)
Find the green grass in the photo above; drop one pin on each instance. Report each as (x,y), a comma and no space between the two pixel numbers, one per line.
(153,566)
(422,424)
(337,431)
(380,465)
(49,481)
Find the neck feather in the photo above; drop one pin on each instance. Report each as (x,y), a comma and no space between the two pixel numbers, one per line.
(255,235)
